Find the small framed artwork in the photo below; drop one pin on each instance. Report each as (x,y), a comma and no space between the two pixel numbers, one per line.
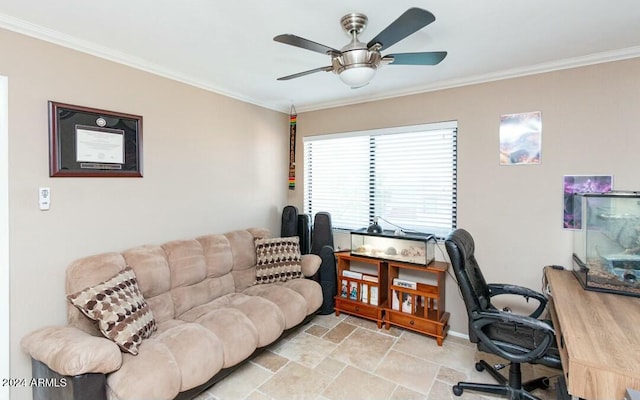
(571,184)
(87,142)
(520,138)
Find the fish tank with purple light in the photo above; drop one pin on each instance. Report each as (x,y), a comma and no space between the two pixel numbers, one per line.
(606,247)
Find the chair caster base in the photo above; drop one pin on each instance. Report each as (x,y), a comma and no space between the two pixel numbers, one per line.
(457,390)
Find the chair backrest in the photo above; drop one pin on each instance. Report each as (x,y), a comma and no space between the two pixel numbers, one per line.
(475,292)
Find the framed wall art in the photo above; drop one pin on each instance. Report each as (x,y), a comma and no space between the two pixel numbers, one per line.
(520,138)
(87,142)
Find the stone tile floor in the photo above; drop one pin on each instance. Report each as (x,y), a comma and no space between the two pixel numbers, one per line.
(345,357)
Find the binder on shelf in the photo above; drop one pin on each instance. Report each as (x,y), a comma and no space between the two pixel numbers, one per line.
(395,301)
(401,301)
(373,297)
(407,300)
(351,274)
(364,296)
(405,283)
(370,278)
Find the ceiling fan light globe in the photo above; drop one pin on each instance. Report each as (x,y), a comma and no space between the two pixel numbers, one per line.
(357,76)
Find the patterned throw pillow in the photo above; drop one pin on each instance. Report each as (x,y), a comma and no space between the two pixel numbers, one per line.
(277,259)
(120,310)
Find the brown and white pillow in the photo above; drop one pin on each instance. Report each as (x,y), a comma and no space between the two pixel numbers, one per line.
(277,259)
(118,307)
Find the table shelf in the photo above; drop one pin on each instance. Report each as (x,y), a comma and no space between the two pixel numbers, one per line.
(350,299)
(425,314)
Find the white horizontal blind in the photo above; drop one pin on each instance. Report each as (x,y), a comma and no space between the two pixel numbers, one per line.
(337,180)
(405,176)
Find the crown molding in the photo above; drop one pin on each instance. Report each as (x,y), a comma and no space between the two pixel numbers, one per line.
(55,37)
(49,35)
(568,63)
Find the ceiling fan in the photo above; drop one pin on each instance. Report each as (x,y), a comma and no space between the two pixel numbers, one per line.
(357,62)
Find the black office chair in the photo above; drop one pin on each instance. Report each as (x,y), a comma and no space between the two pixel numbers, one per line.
(516,338)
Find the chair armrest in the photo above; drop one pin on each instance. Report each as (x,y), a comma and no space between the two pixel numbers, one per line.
(70,351)
(310,264)
(497,289)
(484,318)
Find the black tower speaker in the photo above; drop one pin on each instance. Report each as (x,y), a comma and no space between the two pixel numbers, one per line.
(304,233)
(289,222)
(328,280)
(321,235)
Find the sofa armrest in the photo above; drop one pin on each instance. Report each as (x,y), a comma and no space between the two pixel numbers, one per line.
(310,264)
(70,351)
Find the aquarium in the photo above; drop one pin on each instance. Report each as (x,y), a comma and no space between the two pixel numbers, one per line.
(410,248)
(606,243)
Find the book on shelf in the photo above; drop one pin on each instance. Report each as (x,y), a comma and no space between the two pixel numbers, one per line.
(353,290)
(405,283)
(343,288)
(401,301)
(370,278)
(351,274)
(373,295)
(406,303)
(364,296)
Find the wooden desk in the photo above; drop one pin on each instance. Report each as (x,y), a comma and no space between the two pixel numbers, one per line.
(598,335)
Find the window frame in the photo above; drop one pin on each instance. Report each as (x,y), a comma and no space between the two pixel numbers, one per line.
(451,126)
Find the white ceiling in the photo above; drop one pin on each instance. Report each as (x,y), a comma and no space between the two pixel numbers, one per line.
(227,46)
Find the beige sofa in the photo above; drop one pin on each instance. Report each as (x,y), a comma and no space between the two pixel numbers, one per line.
(210,317)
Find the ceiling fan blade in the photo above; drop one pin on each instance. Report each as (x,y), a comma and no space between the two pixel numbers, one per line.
(411,21)
(303,43)
(311,71)
(427,58)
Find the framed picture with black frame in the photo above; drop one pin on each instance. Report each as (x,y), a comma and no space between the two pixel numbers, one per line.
(88,142)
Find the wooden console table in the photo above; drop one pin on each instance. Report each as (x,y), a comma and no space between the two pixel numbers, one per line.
(353,302)
(598,335)
(427,314)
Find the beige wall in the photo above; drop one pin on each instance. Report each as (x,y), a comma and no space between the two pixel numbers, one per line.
(211,164)
(515,212)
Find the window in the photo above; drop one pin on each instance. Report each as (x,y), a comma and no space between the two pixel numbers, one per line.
(405,176)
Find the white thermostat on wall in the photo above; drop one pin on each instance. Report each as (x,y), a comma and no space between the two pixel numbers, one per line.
(44,194)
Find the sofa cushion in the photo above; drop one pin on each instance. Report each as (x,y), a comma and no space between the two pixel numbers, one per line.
(119,308)
(277,259)
(187,297)
(186,262)
(292,304)
(266,317)
(264,314)
(149,262)
(152,374)
(309,289)
(235,330)
(243,250)
(197,352)
(217,253)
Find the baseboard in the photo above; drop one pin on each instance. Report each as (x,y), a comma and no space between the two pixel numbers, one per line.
(459,335)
